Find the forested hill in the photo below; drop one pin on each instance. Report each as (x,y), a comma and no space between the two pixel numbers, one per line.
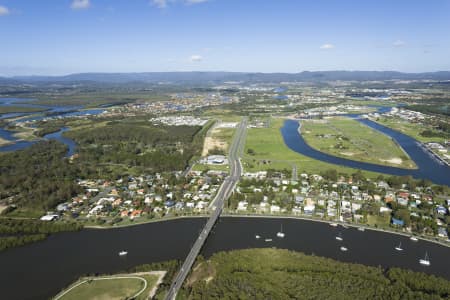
(283,274)
(220,77)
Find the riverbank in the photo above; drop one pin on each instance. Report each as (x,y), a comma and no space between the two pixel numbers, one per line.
(343,224)
(282,274)
(155,220)
(268,216)
(107,286)
(428,168)
(346,137)
(61,259)
(267,148)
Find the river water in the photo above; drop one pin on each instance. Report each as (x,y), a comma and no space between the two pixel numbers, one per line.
(52,111)
(428,167)
(46,267)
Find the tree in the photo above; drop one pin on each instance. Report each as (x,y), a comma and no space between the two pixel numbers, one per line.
(403,214)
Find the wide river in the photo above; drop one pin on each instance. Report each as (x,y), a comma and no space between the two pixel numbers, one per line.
(40,270)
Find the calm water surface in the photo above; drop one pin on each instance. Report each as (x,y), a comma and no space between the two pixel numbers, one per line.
(428,167)
(52,111)
(46,267)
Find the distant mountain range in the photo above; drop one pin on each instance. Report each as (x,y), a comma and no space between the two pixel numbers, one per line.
(220,77)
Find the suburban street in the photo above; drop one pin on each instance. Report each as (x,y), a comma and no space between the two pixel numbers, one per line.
(224,192)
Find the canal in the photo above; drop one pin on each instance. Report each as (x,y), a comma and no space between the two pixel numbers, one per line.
(428,167)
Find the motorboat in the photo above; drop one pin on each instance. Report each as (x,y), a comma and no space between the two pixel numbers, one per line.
(339,237)
(361,228)
(334,224)
(344,248)
(123,253)
(268,240)
(414,239)
(257,237)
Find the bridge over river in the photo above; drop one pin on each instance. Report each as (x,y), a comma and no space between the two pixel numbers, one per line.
(224,192)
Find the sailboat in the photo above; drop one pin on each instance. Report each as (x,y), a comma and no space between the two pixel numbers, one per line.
(339,237)
(399,247)
(280,234)
(425,261)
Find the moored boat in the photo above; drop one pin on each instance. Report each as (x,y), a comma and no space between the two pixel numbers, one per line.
(425,261)
(280,234)
(399,247)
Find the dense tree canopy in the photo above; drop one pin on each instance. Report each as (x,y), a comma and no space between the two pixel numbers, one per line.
(283,274)
(159,148)
(38,177)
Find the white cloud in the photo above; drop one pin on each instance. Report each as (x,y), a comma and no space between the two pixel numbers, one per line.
(80,4)
(196,58)
(327,46)
(4,11)
(398,43)
(160,3)
(165,3)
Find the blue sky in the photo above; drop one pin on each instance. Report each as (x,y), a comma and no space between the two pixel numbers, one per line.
(53,37)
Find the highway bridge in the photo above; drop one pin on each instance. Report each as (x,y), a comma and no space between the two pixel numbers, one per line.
(224,192)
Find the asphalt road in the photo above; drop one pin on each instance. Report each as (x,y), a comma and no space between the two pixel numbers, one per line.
(224,192)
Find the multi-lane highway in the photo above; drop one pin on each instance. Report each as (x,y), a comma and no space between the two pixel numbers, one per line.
(224,192)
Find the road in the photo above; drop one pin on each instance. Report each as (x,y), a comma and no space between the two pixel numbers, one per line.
(224,192)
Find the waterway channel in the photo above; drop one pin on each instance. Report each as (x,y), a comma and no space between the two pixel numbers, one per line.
(49,112)
(40,270)
(428,166)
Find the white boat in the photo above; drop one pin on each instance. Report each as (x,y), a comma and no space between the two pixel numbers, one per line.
(339,237)
(345,226)
(361,228)
(268,240)
(123,253)
(280,234)
(257,236)
(334,224)
(425,261)
(344,249)
(413,238)
(399,247)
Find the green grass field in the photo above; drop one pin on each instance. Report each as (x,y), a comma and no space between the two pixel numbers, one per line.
(112,288)
(270,152)
(411,129)
(350,139)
